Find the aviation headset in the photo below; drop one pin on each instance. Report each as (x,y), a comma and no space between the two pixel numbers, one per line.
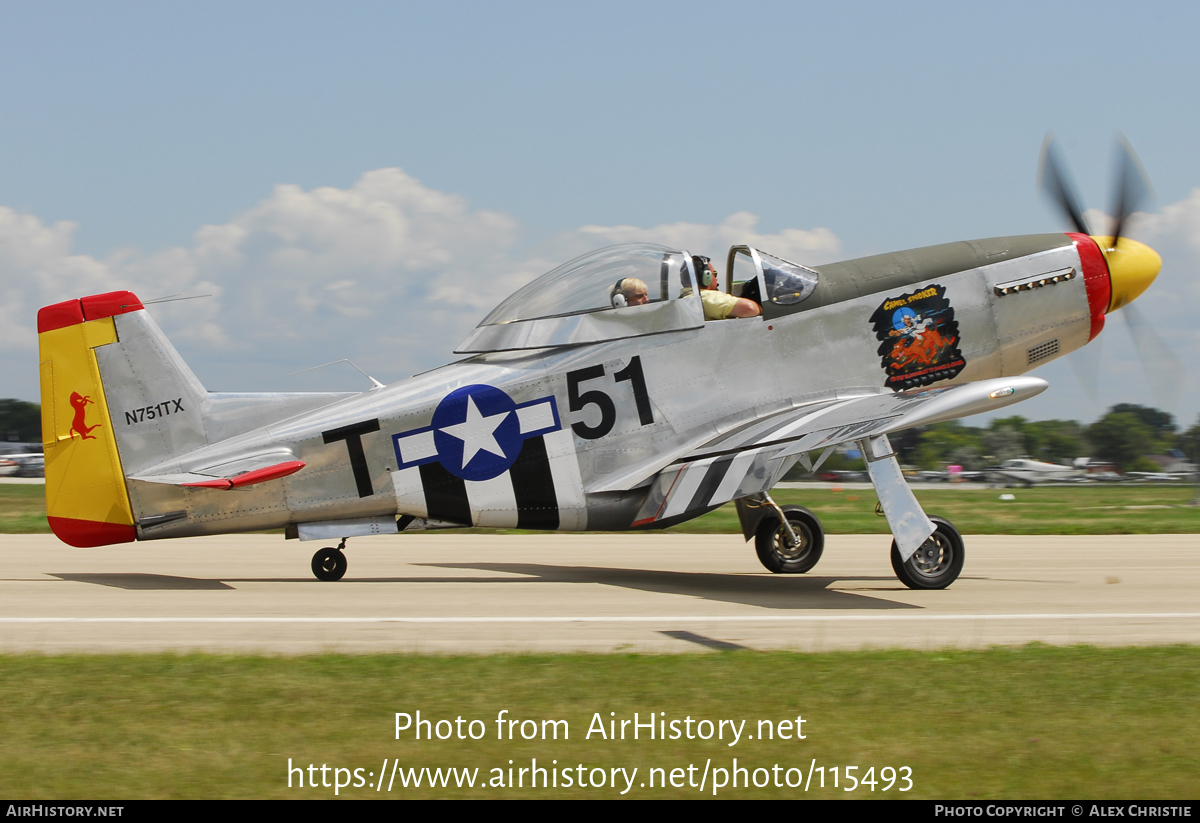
(703,273)
(617,296)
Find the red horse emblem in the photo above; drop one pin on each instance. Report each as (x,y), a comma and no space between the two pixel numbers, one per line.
(79,424)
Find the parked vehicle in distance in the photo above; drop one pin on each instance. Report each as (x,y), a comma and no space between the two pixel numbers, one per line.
(26,460)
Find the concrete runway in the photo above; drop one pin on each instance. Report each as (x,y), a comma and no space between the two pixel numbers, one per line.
(595,593)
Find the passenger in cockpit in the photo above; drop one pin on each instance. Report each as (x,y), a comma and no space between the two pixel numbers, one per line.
(717,304)
(628,291)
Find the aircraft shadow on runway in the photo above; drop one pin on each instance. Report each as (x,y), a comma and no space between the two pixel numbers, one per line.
(145,582)
(773,592)
(769,592)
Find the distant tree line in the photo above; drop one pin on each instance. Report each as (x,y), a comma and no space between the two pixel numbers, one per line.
(1125,436)
(21,421)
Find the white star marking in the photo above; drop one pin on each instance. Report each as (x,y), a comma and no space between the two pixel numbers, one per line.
(477,432)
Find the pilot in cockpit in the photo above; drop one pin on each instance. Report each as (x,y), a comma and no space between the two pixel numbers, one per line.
(717,304)
(628,291)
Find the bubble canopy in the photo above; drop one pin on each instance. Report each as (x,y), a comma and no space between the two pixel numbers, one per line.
(583,301)
(584,284)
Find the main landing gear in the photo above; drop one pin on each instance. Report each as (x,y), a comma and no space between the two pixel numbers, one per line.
(920,559)
(927,552)
(329,563)
(791,543)
(788,539)
(937,563)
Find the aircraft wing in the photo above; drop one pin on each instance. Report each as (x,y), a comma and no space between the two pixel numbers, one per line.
(754,457)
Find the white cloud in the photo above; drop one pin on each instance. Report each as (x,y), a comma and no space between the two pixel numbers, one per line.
(393,275)
(387,272)
(36,267)
(1182,218)
(1175,233)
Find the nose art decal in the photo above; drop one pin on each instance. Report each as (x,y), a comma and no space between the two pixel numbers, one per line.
(918,338)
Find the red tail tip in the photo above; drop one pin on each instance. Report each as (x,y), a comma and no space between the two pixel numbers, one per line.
(93,307)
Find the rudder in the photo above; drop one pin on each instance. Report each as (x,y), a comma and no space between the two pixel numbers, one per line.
(86,500)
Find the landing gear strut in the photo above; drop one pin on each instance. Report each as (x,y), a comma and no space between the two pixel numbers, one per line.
(928,560)
(330,563)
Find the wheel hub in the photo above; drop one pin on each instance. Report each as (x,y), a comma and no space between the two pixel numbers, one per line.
(932,557)
(785,548)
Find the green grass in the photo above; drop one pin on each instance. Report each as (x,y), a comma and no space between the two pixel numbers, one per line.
(23,509)
(1038,510)
(1003,723)
(1100,509)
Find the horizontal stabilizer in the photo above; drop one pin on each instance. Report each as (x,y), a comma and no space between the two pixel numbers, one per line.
(252,477)
(233,474)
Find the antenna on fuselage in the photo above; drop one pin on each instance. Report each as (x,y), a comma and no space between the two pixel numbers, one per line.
(171,298)
(375,384)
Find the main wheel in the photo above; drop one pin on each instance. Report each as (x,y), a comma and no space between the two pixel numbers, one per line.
(937,563)
(774,545)
(329,564)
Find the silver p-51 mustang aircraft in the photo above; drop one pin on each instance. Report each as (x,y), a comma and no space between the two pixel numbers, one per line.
(578,409)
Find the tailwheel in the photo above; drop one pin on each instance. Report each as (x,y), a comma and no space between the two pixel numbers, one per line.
(779,552)
(937,563)
(329,563)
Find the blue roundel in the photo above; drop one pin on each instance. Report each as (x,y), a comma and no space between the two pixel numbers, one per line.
(477,423)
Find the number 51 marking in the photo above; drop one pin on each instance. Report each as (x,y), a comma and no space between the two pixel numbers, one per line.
(577,401)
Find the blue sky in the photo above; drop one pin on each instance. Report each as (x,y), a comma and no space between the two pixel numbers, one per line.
(128,128)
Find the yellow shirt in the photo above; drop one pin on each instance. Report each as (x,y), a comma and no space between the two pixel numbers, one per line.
(717,304)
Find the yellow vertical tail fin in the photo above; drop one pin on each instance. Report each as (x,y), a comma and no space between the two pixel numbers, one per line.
(87,503)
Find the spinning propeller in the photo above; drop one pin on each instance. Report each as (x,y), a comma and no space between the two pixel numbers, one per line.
(1132,265)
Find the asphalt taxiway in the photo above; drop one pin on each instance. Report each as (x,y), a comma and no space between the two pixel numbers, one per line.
(480,594)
